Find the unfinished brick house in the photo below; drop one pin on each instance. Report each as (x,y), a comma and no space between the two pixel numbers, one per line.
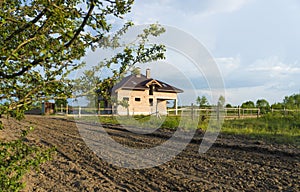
(144,95)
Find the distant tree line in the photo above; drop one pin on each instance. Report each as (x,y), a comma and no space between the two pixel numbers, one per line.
(291,102)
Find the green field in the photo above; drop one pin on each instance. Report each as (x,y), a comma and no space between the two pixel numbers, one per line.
(272,127)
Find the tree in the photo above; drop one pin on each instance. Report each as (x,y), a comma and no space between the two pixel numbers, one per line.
(43,41)
(277,106)
(263,105)
(202,101)
(292,101)
(248,104)
(60,103)
(228,105)
(93,86)
(221,101)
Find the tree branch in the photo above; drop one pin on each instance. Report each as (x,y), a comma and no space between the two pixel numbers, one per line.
(36,19)
(21,72)
(21,45)
(81,27)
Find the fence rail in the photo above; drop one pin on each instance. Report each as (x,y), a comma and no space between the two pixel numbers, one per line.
(228,113)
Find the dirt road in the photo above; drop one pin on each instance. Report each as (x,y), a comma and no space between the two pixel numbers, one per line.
(232,164)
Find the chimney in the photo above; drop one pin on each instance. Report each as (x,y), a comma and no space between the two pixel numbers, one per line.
(148,73)
(138,72)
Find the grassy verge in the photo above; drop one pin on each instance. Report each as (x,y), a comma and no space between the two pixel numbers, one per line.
(274,128)
(271,127)
(283,138)
(171,122)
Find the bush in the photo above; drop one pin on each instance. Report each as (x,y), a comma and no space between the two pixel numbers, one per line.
(16,159)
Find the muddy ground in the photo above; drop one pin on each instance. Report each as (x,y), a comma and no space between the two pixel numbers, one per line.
(233,163)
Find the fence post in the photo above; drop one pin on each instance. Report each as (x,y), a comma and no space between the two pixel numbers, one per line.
(176,107)
(67,110)
(218,113)
(61,108)
(192,112)
(79,111)
(258,112)
(285,112)
(239,111)
(43,108)
(156,109)
(98,110)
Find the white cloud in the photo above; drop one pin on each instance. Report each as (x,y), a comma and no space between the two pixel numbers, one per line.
(194,16)
(270,78)
(275,67)
(237,33)
(225,6)
(228,65)
(253,93)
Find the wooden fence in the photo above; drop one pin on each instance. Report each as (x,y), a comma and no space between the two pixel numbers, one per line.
(193,111)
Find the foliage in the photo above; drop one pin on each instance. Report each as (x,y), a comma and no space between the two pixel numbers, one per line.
(221,101)
(263,105)
(16,158)
(248,104)
(92,85)
(61,102)
(42,42)
(202,101)
(277,106)
(289,102)
(292,102)
(228,105)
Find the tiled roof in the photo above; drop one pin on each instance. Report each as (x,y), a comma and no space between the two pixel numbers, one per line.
(134,82)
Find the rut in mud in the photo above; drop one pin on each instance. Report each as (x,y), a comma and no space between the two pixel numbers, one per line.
(232,163)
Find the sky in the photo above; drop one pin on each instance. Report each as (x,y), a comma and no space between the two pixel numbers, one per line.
(254,43)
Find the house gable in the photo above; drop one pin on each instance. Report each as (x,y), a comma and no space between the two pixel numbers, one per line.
(153,82)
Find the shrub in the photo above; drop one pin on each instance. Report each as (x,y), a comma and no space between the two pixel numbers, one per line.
(16,159)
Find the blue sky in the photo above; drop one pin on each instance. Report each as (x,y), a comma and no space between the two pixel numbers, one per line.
(255,43)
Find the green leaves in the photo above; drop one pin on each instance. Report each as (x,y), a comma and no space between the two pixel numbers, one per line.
(18,157)
(42,41)
(93,86)
(202,101)
(138,52)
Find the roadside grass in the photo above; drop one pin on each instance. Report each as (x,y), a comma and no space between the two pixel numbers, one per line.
(274,128)
(269,137)
(141,121)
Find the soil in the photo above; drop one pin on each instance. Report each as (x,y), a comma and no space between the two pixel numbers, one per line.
(233,163)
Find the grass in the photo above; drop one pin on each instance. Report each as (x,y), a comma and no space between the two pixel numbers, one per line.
(280,138)
(273,127)
(141,121)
